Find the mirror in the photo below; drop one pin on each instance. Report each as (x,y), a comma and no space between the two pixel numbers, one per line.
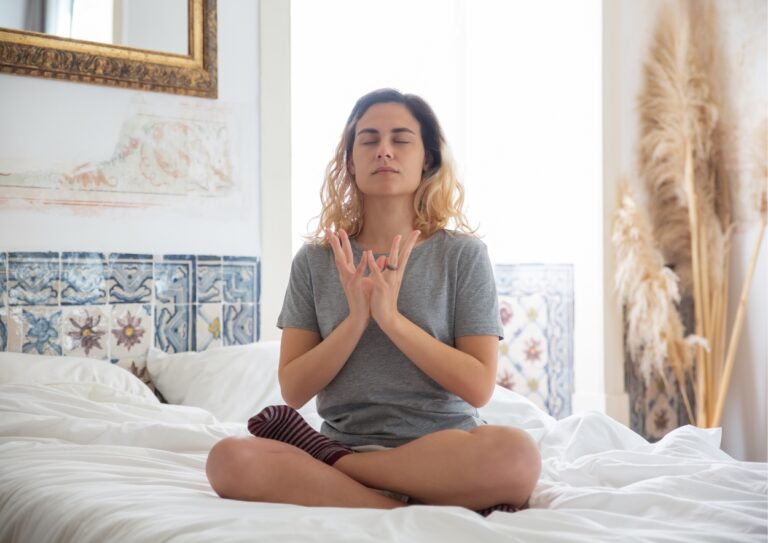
(167,46)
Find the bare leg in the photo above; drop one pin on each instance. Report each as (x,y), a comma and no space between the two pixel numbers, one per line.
(256,469)
(486,466)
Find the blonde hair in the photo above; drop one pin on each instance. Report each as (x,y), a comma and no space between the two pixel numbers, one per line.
(437,201)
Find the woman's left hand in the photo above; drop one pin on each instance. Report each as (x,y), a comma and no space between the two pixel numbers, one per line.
(387,276)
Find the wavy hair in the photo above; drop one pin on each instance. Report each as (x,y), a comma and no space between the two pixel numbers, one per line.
(437,201)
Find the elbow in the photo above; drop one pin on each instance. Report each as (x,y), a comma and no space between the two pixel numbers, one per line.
(292,400)
(290,395)
(478,398)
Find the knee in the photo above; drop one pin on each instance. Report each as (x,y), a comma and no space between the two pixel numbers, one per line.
(225,463)
(513,460)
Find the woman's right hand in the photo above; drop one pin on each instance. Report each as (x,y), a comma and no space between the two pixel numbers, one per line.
(356,287)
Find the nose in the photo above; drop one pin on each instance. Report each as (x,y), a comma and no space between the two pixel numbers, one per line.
(384,150)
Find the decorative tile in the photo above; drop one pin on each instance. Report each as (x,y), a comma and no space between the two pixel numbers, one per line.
(130,279)
(3,278)
(33,278)
(209,279)
(536,355)
(209,326)
(85,331)
(3,329)
(83,279)
(116,307)
(130,334)
(35,329)
(241,279)
(175,279)
(240,326)
(174,327)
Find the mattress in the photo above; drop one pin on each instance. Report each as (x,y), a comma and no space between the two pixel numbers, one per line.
(98,459)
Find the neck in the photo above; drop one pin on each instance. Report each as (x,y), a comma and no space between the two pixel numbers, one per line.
(385,219)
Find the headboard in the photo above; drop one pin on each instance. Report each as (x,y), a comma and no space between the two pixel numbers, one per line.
(115,306)
(536,356)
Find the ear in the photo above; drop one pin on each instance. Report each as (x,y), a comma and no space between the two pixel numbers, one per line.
(351,166)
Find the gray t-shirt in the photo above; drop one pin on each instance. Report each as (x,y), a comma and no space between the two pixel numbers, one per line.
(380,397)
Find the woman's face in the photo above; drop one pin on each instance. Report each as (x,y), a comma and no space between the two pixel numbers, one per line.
(388,156)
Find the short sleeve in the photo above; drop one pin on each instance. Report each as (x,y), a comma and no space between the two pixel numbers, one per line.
(477,305)
(299,305)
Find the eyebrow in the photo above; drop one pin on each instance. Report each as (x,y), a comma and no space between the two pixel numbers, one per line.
(394,130)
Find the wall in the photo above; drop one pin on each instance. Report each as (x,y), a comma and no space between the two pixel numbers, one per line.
(740,37)
(54,126)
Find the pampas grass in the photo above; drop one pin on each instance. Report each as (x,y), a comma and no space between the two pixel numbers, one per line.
(690,222)
(741,310)
(648,289)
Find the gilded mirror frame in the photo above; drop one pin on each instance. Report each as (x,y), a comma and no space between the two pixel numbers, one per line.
(32,53)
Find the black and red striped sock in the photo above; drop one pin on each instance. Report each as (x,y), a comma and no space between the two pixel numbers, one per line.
(283,423)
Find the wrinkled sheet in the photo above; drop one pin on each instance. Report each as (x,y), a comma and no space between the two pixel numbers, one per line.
(87,463)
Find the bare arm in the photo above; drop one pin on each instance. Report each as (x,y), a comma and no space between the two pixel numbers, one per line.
(308,364)
(468,370)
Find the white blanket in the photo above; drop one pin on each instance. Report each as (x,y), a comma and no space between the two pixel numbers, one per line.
(88,462)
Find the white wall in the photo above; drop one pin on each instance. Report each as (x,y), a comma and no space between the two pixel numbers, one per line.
(57,124)
(741,38)
(276,167)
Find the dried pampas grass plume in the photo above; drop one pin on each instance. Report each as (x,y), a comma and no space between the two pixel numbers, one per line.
(648,291)
(675,109)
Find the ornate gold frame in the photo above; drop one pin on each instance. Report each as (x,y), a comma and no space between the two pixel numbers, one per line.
(31,53)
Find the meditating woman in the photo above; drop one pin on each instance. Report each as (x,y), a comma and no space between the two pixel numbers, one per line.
(392,321)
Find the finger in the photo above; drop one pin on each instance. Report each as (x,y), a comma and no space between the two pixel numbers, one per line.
(333,241)
(373,266)
(347,247)
(381,262)
(341,263)
(394,251)
(408,248)
(361,267)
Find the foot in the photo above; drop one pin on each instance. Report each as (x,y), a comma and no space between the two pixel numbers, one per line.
(284,423)
(504,507)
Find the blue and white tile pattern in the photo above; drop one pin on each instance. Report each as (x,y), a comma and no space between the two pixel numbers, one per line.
(114,307)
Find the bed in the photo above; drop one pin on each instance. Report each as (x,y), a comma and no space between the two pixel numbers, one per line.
(89,454)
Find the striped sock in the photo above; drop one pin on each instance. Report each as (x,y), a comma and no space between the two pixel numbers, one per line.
(284,423)
(505,507)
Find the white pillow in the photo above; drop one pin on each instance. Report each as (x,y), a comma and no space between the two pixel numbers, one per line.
(232,382)
(512,409)
(37,369)
(236,382)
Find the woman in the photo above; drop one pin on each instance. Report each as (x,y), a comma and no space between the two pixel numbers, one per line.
(392,321)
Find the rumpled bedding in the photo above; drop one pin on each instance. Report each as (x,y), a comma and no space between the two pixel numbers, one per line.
(88,462)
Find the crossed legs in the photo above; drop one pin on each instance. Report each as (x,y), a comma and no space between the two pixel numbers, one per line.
(480,468)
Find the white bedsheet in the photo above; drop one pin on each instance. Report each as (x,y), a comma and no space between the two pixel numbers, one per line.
(89,463)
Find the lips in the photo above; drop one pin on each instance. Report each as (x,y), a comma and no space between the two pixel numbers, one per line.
(385,169)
